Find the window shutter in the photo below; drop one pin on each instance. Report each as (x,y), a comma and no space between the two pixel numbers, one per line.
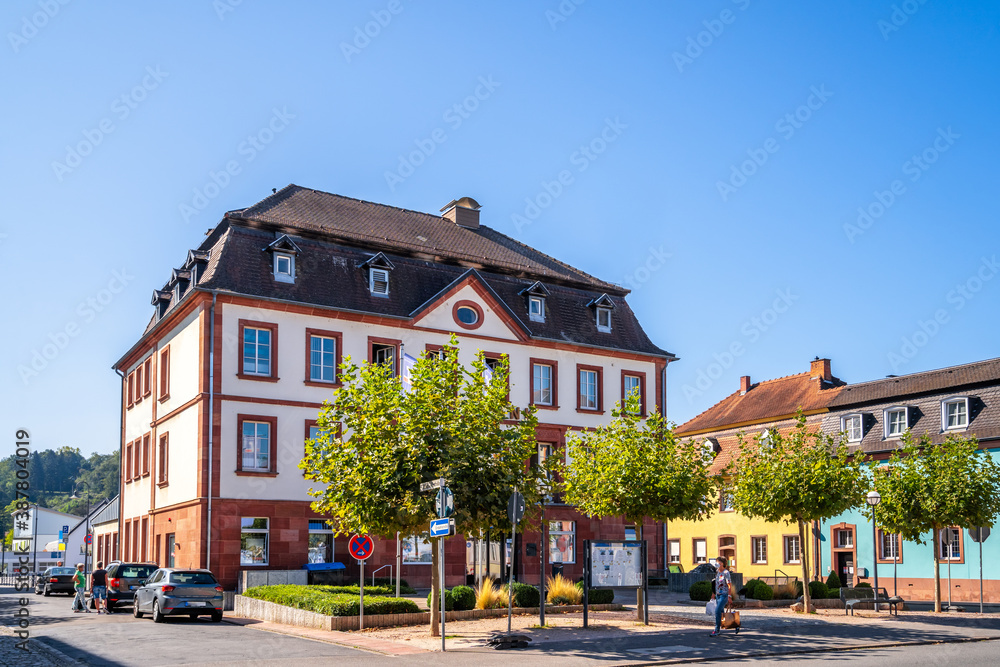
(379,281)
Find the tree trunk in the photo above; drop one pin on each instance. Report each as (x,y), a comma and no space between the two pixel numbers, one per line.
(639,600)
(937,569)
(804,557)
(435,593)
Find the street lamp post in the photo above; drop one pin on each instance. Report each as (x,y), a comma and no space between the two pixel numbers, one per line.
(873,499)
(86,526)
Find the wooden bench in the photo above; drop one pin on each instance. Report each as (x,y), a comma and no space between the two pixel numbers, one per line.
(852,596)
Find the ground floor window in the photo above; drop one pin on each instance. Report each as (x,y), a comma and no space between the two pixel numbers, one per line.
(253,541)
(562,541)
(758,550)
(700,549)
(950,544)
(792,549)
(630,534)
(674,551)
(889,546)
(171,546)
(416,549)
(320,542)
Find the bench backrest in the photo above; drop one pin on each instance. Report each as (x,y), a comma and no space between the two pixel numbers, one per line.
(862,593)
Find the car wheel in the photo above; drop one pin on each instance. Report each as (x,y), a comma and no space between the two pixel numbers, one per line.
(135,609)
(109,607)
(37,592)
(217,617)
(47,592)
(157,616)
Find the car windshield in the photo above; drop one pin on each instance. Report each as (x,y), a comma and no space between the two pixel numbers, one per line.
(192,578)
(61,570)
(132,571)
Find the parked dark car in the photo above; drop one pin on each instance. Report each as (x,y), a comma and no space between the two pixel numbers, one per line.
(124,579)
(55,580)
(173,592)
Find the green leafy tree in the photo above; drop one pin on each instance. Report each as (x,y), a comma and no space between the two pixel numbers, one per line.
(928,487)
(798,477)
(378,442)
(637,468)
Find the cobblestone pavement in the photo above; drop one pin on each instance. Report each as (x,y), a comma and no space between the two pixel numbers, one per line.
(37,655)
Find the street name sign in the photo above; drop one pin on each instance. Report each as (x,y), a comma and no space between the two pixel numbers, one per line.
(433,484)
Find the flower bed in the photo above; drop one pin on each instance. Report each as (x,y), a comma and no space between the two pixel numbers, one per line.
(330,600)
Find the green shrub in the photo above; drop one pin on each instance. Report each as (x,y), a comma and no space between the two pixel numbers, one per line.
(465,598)
(864,584)
(818,590)
(833,593)
(833,581)
(385,582)
(701,591)
(763,592)
(601,596)
(798,588)
(449,600)
(311,598)
(750,587)
(354,590)
(525,595)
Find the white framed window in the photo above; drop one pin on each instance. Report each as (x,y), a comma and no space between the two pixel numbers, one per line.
(562,541)
(890,546)
(284,267)
(256,445)
(416,549)
(467,315)
(845,538)
(852,426)
(950,544)
(588,390)
(536,308)
(384,355)
(700,550)
(604,319)
(895,422)
(766,439)
(674,551)
(322,358)
(256,351)
(541,384)
(320,541)
(253,541)
(758,550)
(954,413)
(378,282)
(725,502)
(709,446)
(792,547)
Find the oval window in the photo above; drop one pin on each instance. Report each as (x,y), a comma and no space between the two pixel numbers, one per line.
(467,315)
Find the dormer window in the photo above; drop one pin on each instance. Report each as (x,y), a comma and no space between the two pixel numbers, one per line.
(766,439)
(896,422)
(378,267)
(852,425)
(284,267)
(536,308)
(602,306)
(954,413)
(711,447)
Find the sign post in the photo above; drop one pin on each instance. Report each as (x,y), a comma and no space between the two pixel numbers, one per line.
(437,529)
(979,536)
(515,510)
(361,547)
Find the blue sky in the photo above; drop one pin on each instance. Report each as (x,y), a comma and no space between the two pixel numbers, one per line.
(717,155)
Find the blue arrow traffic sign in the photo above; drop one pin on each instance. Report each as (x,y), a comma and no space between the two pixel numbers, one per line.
(361,547)
(441,527)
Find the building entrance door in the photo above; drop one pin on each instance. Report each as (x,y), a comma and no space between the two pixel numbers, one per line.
(845,568)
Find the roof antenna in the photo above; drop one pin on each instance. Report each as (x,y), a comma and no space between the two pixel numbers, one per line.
(274,190)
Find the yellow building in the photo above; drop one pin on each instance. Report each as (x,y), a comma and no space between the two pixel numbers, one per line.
(754,547)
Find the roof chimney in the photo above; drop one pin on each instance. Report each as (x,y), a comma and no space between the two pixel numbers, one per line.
(820,368)
(463,212)
(744,384)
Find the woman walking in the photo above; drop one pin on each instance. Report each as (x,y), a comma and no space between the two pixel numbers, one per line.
(722,585)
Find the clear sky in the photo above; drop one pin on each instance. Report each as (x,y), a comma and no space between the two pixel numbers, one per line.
(716,153)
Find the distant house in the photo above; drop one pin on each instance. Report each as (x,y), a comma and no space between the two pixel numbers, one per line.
(40,530)
(223,386)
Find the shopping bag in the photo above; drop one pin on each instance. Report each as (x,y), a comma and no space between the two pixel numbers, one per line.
(730,619)
(710,608)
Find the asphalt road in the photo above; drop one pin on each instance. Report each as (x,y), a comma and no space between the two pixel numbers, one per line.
(968,654)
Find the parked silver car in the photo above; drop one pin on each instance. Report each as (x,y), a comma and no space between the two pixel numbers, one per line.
(175,592)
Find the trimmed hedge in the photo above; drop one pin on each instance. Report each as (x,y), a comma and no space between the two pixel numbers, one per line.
(449,600)
(355,590)
(601,596)
(833,581)
(387,583)
(701,591)
(465,598)
(525,595)
(864,584)
(763,591)
(311,598)
(818,590)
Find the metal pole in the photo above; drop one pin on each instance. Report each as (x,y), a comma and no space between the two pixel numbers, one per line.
(542,547)
(875,556)
(510,585)
(361,615)
(586,582)
(645,583)
(441,514)
(949,569)
(980,540)
(34,542)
